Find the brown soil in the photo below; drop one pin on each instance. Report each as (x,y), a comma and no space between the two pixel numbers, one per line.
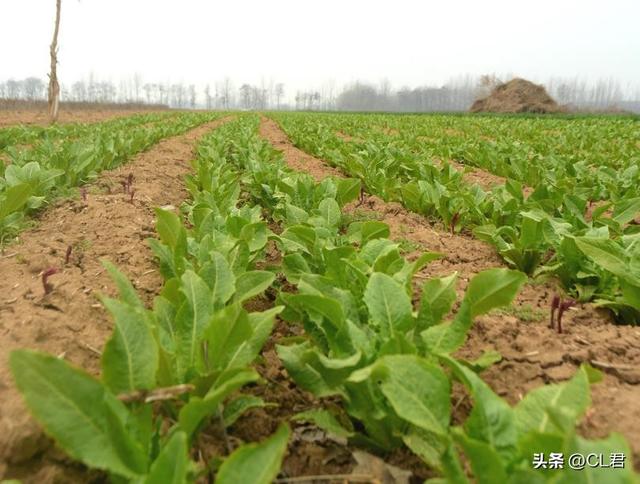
(311,451)
(388,131)
(453,132)
(533,353)
(296,159)
(8,118)
(592,207)
(461,253)
(477,176)
(517,96)
(69,321)
(485,179)
(346,137)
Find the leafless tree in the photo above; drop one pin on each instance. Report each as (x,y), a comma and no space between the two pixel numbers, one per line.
(54,87)
(33,88)
(13,89)
(456,94)
(148,89)
(79,91)
(192,96)
(178,95)
(245,95)
(279,93)
(137,85)
(162,93)
(226,93)
(207,96)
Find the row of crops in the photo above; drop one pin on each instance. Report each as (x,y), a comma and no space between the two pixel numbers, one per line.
(39,164)
(600,154)
(185,366)
(12,138)
(569,208)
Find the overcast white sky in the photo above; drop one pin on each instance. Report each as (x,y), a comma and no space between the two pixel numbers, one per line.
(305,43)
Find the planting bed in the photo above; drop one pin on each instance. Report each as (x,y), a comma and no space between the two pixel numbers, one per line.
(317,298)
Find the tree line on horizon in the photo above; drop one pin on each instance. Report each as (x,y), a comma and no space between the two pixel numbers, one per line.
(455,95)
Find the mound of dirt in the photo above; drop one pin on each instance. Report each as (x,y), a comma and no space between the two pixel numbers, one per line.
(517,96)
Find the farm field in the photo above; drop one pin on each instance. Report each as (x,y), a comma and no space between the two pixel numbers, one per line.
(67,115)
(244,297)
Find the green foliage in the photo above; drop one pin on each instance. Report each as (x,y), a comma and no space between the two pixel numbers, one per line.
(197,341)
(499,440)
(619,259)
(12,200)
(532,230)
(80,413)
(62,157)
(359,331)
(364,343)
(256,463)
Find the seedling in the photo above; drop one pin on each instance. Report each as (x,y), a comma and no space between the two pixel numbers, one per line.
(362,194)
(127,183)
(559,305)
(454,221)
(563,307)
(45,279)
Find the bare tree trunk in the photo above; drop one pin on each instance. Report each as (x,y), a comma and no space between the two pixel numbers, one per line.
(54,87)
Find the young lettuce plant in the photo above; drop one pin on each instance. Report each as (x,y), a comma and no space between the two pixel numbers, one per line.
(302,192)
(40,180)
(304,244)
(619,259)
(12,201)
(192,352)
(240,236)
(400,394)
(360,321)
(503,443)
(522,248)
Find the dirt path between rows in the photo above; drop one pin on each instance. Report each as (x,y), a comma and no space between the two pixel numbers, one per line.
(462,253)
(69,321)
(533,354)
(483,178)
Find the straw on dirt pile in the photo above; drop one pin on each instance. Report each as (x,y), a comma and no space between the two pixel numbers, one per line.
(517,96)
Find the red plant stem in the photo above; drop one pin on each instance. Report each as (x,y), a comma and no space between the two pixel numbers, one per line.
(563,307)
(560,312)
(45,276)
(454,221)
(67,256)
